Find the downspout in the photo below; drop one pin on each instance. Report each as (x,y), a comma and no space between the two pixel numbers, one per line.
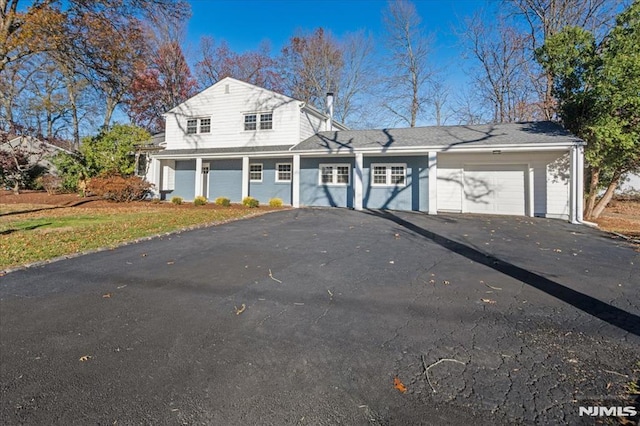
(577,182)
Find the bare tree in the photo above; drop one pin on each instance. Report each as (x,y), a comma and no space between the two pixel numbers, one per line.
(409,71)
(501,73)
(312,65)
(218,61)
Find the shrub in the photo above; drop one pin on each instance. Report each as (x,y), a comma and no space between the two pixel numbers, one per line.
(250,202)
(176,200)
(199,201)
(223,201)
(275,202)
(156,200)
(119,188)
(52,184)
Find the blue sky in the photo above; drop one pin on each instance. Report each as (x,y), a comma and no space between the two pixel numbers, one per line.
(244,24)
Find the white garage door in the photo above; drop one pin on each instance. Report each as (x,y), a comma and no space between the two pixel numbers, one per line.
(494,189)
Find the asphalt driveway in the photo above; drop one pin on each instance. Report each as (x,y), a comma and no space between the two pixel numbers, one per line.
(307,317)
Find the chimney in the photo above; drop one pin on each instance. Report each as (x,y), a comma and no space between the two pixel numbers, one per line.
(330,110)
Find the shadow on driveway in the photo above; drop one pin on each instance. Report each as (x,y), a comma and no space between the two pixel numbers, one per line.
(615,316)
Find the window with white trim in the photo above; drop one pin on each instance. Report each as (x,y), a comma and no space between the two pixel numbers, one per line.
(251,121)
(198,125)
(283,172)
(192,126)
(388,175)
(255,172)
(266,121)
(205,125)
(334,174)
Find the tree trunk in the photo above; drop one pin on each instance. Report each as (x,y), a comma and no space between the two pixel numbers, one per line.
(593,192)
(606,198)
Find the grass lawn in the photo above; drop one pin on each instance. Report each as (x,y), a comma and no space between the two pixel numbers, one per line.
(45,234)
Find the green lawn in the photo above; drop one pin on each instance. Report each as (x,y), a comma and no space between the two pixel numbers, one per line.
(45,234)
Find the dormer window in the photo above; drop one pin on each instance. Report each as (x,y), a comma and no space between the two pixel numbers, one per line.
(265,119)
(198,125)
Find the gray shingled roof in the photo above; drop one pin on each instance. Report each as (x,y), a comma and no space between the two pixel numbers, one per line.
(237,150)
(439,136)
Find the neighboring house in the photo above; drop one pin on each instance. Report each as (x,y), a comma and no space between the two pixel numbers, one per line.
(236,140)
(630,183)
(39,151)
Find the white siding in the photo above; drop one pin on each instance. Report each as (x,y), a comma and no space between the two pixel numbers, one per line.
(550,179)
(226,103)
(310,124)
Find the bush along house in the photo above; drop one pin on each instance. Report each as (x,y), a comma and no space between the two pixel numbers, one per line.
(236,140)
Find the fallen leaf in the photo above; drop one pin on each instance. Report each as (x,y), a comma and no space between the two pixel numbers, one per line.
(445,282)
(241,310)
(397,236)
(399,385)
(490,286)
(392,262)
(432,281)
(143,255)
(85,358)
(489,301)
(171,262)
(557,250)
(106,295)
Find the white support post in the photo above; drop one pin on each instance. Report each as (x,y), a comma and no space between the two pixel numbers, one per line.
(573,185)
(245,177)
(433,183)
(198,188)
(357,181)
(530,192)
(155,176)
(295,181)
(580,183)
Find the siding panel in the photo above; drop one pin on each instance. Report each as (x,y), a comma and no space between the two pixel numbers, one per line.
(185,180)
(225,179)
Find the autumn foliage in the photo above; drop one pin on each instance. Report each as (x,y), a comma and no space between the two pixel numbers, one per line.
(119,188)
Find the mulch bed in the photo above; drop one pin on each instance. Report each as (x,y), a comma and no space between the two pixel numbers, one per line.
(73,200)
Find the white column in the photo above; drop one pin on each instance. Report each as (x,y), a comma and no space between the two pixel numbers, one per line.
(155,176)
(245,177)
(580,183)
(198,177)
(530,192)
(573,185)
(433,183)
(357,181)
(295,181)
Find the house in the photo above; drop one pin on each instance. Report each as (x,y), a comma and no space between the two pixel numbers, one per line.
(38,152)
(236,140)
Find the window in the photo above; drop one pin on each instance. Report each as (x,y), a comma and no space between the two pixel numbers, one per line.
(205,125)
(255,172)
(250,122)
(334,174)
(283,173)
(266,121)
(389,174)
(192,126)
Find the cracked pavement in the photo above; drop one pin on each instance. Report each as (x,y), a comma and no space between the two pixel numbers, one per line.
(542,317)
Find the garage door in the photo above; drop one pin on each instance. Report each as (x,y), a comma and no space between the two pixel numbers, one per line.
(494,189)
